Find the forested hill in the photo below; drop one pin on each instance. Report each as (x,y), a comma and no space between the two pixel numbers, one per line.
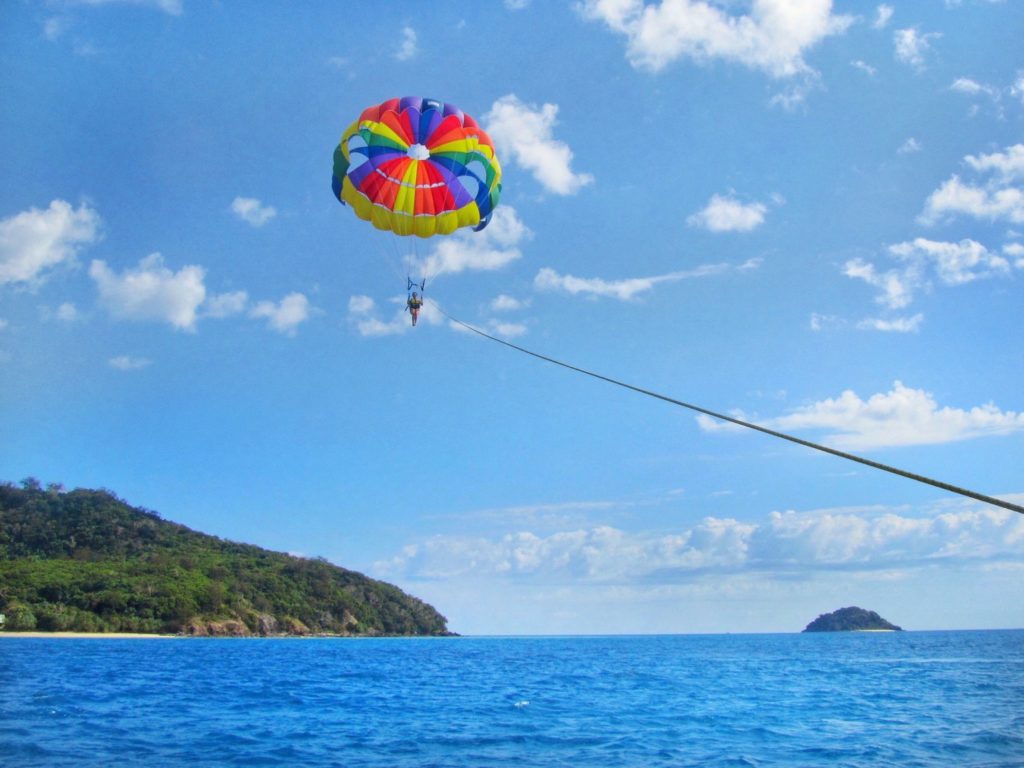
(86,561)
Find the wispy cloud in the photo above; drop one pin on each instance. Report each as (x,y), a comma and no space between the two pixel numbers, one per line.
(34,242)
(524,133)
(909,146)
(883,14)
(170,7)
(407,47)
(920,261)
(772,38)
(727,214)
(548,279)
(863,66)
(252,211)
(903,416)
(910,324)
(129,363)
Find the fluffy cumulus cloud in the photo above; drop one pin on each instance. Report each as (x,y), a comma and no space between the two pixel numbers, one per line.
(996,195)
(151,291)
(902,416)
(727,214)
(626,289)
(784,542)
(913,47)
(35,241)
(773,37)
(921,261)
(286,315)
(490,249)
(525,134)
(252,211)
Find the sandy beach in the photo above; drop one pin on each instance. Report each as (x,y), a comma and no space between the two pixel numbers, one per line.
(89,635)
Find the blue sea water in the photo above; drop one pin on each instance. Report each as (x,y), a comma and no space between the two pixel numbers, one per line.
(846,699)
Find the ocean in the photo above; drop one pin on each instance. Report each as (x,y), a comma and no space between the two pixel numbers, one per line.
(843,699)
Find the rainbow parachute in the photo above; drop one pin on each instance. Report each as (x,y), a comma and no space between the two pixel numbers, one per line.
(417,167)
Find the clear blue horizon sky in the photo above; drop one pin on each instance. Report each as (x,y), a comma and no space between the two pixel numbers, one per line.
(810,214)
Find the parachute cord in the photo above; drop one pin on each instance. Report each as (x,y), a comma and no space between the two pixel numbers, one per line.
(825,449)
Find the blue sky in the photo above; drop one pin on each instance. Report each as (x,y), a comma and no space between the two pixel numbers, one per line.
(810,214)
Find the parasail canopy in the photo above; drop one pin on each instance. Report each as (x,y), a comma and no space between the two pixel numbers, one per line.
(417,166)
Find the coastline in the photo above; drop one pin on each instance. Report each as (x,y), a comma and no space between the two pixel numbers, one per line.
(89,635)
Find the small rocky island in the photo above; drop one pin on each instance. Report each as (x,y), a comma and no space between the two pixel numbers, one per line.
(852,619)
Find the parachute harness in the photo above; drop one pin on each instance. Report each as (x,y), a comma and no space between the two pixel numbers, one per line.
(816,446)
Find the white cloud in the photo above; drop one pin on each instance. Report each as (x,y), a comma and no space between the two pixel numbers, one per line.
(505,303)
(909,146)
(863,66)
(524,133)
(912,46)
(954,196)
(882,16)
(252,211)
(128,363)
(489,249)
(1016,252)
(727,214)
(151,291)
(516,5)
(362,310)
(54,27)
(974,88)
(407,48)
(902,416)
(953,263)
(285,316)
(35,241)
(1017,89)
(896,287)
(772,38)
(3,323)
(782,542)
(995,198)
(893,324)
(1008,166)
(67,312)
(920,260)
(507,330)
(548,279)
(226,304)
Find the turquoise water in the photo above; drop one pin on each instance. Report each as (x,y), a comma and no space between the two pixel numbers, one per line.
(906,699)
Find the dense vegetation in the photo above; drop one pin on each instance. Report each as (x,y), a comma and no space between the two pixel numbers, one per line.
(850,619)
(86,561)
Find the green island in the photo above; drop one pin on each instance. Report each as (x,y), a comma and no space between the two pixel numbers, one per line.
(852,619)
(87,561)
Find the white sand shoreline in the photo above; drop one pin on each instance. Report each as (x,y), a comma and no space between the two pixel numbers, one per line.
(89,635)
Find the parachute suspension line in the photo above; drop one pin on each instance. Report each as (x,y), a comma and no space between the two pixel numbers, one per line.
(825,449)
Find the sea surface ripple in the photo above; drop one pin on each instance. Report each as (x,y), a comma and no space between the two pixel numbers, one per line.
(843,699)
